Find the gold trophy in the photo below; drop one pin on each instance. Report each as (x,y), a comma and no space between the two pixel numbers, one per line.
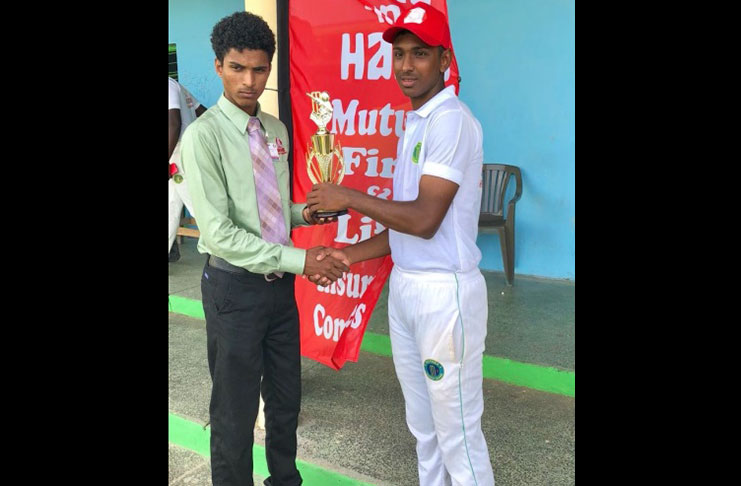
(321,164)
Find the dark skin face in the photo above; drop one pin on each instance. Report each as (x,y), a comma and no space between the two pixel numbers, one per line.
(244,75)
(419,68)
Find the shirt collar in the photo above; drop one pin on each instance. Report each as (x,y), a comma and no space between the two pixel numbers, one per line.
(238,116)
(435,101)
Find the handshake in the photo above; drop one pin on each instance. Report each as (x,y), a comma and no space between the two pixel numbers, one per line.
(324,265)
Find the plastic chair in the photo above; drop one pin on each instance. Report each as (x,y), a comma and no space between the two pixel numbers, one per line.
(492,218)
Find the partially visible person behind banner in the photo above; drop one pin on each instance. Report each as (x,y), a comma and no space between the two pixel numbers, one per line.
(183,109)
(437,295)
(235,157)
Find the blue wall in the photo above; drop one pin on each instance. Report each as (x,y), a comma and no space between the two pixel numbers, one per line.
(516,59)
(189,27)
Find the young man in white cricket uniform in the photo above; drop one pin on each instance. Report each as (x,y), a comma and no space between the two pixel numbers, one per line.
(183,109)
(437,295)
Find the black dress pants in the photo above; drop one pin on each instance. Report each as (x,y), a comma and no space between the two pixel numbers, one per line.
(253,334)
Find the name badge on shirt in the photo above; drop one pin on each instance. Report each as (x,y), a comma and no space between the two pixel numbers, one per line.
(281,148)
(273,150)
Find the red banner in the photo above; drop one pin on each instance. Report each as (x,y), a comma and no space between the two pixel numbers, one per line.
(336,46)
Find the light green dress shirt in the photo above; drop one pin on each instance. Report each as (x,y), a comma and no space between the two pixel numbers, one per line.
(217,162)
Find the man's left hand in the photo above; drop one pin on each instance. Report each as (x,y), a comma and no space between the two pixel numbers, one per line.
(310,217)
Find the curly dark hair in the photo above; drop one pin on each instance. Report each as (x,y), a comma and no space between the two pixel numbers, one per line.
(242,30)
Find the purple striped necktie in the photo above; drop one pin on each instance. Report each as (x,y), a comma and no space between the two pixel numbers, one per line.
(269,206)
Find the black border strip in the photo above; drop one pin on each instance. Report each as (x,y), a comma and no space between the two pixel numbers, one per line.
(284,80)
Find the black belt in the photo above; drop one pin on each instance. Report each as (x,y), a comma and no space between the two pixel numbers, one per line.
(222,264)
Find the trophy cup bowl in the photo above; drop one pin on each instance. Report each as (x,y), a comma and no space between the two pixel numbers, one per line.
(324,161)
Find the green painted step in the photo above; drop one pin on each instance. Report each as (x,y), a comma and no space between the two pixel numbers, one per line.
(190,435)
(537,377)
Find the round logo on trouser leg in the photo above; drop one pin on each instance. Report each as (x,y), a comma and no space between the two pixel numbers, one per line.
(433,369)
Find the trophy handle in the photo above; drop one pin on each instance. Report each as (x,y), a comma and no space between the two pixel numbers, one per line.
(311,169)
(340,167)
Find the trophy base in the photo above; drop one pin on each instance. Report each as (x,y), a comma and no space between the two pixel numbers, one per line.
(329,214)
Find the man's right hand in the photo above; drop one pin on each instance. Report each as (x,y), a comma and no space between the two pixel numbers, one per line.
(327,268)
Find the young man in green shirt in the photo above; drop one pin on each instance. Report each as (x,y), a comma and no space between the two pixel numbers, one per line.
(235,158)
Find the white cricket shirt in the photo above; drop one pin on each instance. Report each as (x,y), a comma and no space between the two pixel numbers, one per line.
(442,139)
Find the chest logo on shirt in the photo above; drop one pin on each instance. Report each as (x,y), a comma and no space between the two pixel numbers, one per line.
(433,370)
(415,153)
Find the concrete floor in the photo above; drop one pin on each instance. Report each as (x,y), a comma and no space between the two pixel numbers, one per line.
(352,421)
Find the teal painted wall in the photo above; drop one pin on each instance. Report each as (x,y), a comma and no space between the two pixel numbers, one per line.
(517,63)
(516,59)
(189,26)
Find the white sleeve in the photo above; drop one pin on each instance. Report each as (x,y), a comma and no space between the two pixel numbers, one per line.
(446,147)
(174,103)
(194,103)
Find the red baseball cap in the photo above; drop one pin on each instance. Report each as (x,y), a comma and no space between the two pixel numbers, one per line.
(424,21)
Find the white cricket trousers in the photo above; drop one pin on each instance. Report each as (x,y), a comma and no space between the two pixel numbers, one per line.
(178,195)
(437,323)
